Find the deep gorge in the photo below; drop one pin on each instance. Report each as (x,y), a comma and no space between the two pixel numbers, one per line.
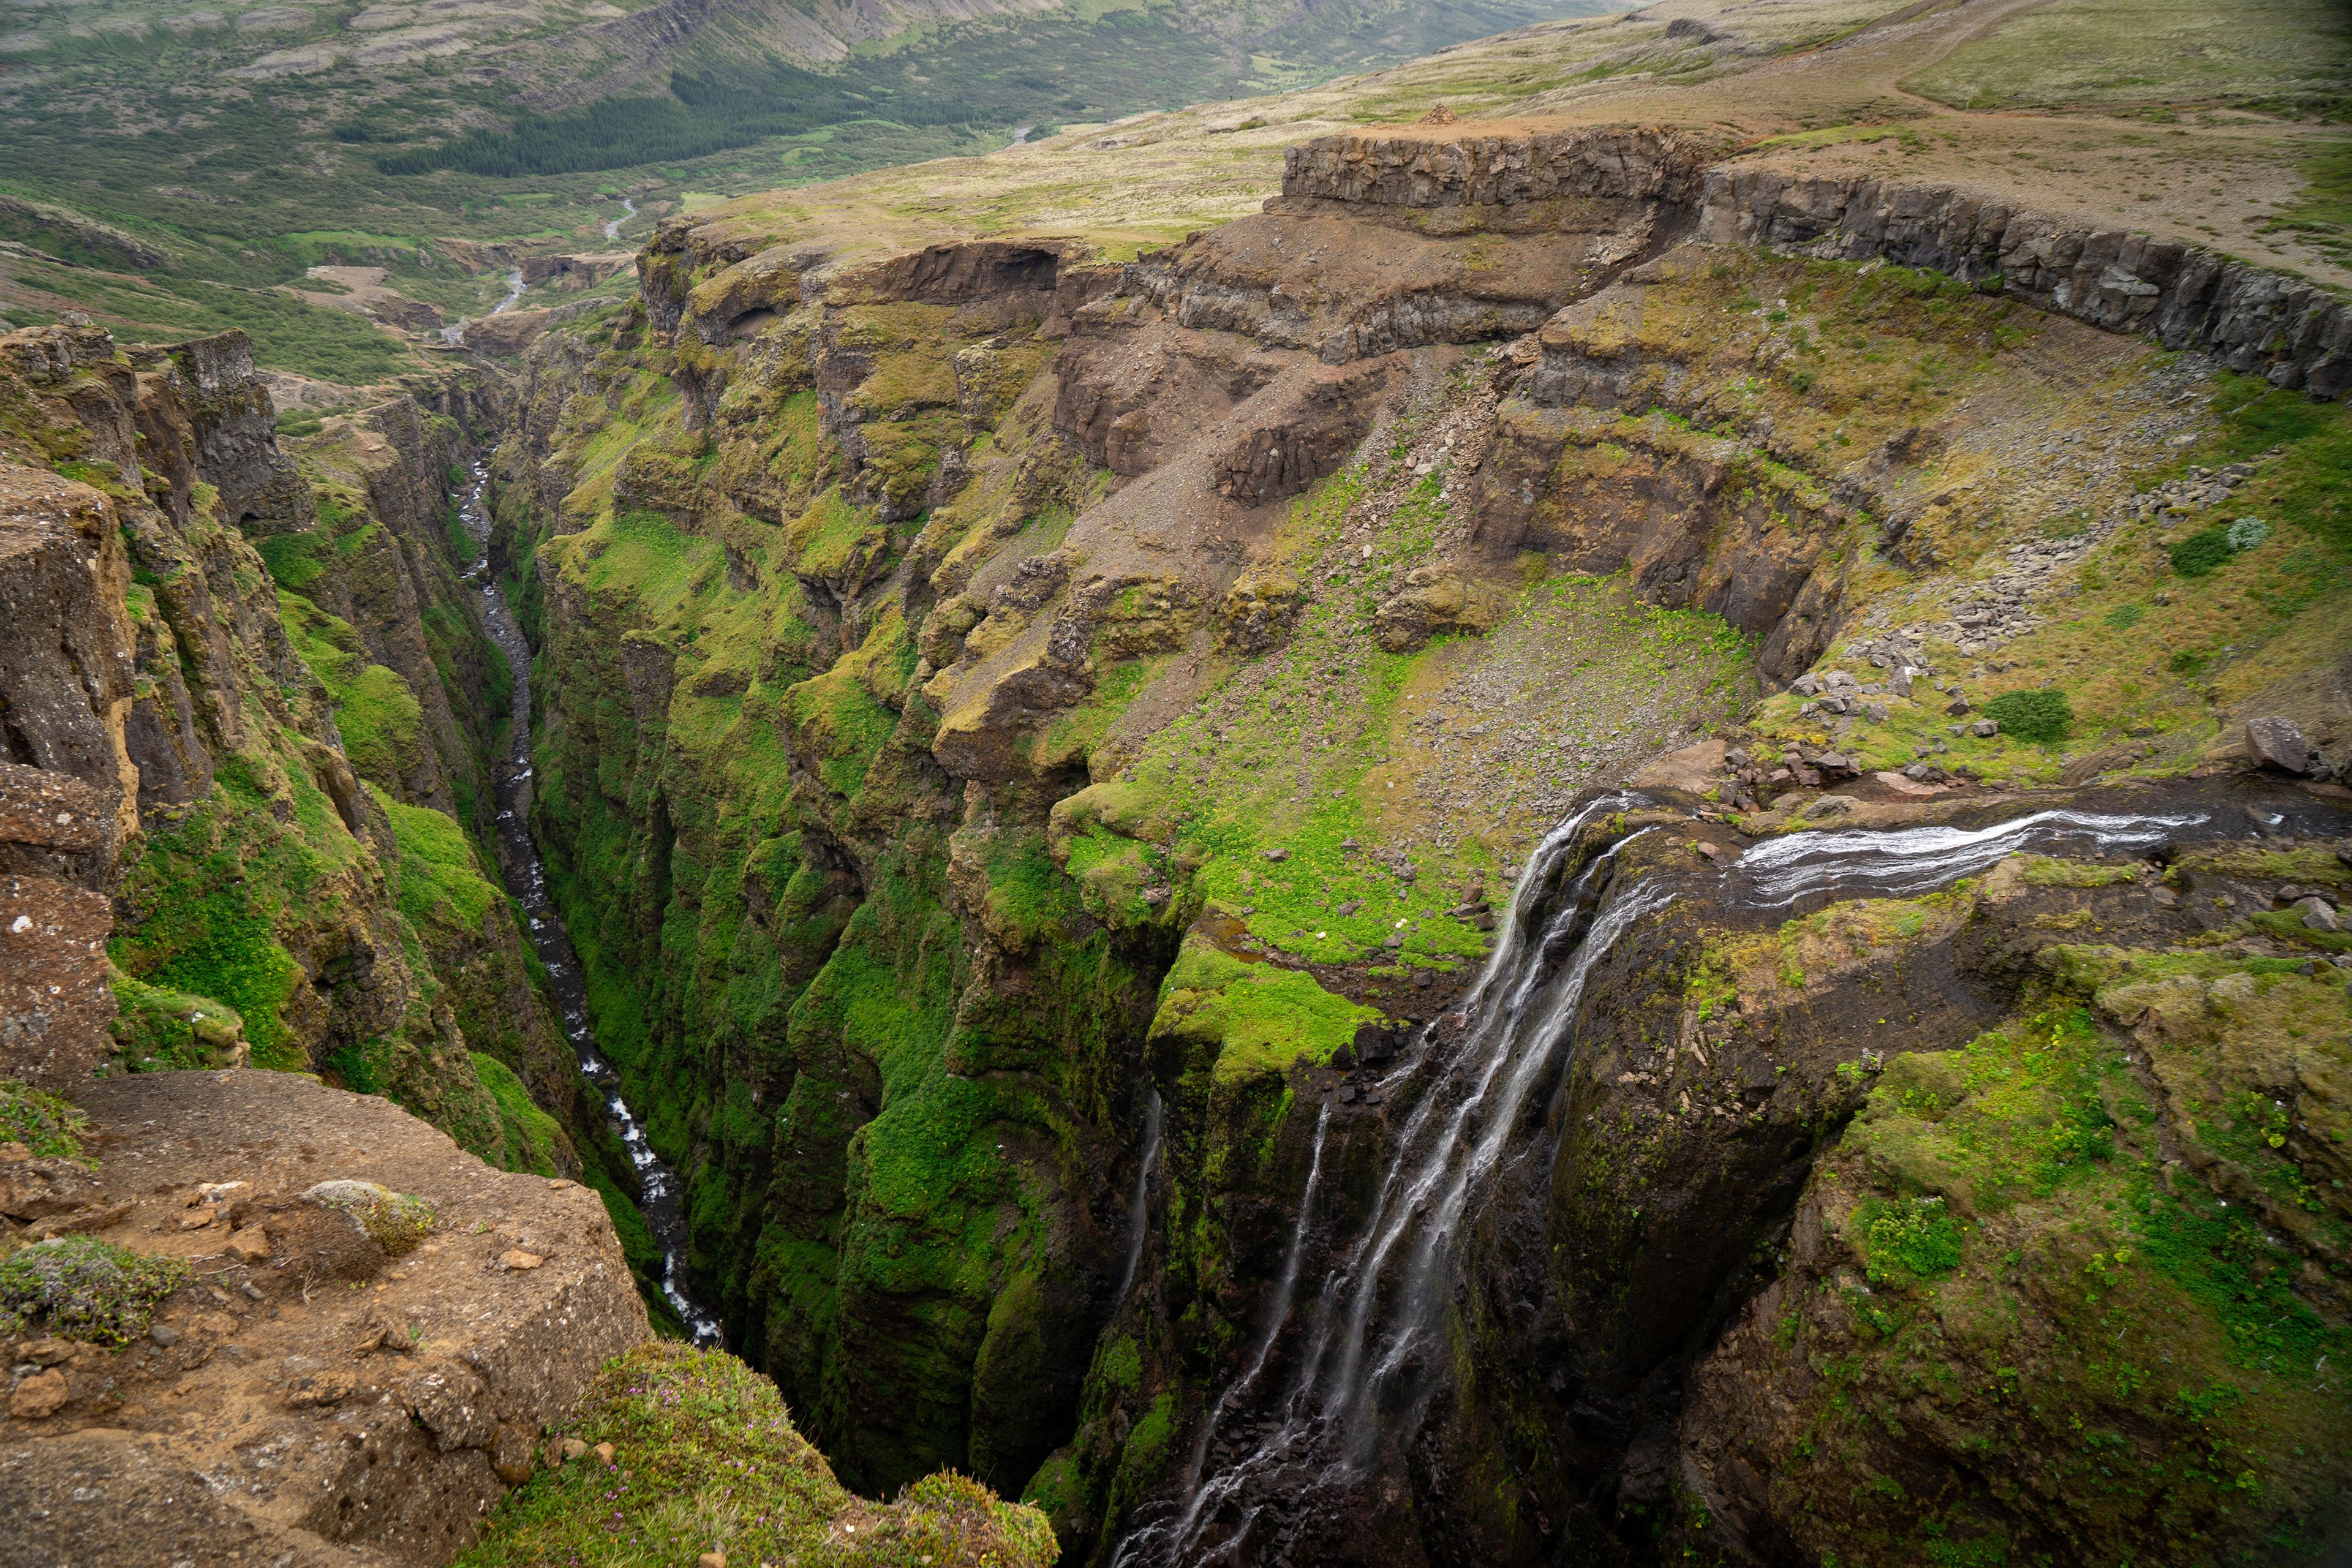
(1154,845)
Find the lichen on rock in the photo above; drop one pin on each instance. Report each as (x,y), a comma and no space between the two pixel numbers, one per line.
(395,1221)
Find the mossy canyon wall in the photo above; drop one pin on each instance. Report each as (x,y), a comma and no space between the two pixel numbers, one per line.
(1036,755)
(1030,743)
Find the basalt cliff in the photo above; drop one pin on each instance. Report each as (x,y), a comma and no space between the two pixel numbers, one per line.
(1565,852)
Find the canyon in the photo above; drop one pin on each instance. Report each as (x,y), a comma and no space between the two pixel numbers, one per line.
(1581,845)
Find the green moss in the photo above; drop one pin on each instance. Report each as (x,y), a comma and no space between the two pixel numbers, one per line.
(1906,1242)
(1253,1018)
(80,1287)
(395,1221)
(207,894)
(376,711)
(157,1029)
(706,1459)
(442,881)
(43,1121)
(532,1136)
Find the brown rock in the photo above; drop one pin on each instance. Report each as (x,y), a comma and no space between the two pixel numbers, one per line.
(42,1395)
(1691,770)
(603,1452)
(48,1352)
(321,1388)
(1911,788)
(516,1258)
(250,1245)
(82,1222)
(2275,743)
(511,1455)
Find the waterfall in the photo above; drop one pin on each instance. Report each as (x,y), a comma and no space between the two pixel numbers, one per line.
(1139,1213)
(1522,1007)
(1377,1348)
(1277,1313)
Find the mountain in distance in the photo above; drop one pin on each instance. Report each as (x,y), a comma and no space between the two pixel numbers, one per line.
(339,178)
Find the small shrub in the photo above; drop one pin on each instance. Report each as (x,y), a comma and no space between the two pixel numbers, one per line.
(2207,550)
(87,1288)
(44,1122)
(2123,617)
(2246,534)
(2043,718)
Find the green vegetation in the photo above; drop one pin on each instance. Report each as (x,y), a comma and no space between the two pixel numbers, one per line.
(43,1121)
(157,1029)
(706,1459)
(2041,716)
(2275,54)
(532,1137)
(1907,1242)
(80,1287)
(2050,1288)
(1251,1018)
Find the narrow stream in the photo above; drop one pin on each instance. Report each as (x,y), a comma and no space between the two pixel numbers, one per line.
(526,877)
(613,226)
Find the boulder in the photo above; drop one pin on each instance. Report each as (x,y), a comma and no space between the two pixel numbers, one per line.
(1691,769)
(2277,743)
(2318,914)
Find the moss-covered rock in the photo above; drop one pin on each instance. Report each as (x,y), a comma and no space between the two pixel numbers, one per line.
(705,1458)
(80,1287)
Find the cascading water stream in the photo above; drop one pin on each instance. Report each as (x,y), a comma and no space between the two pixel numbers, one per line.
(1381,1316)
(1499,1057)
(1277,1313)
(526,878)
(1139,1213)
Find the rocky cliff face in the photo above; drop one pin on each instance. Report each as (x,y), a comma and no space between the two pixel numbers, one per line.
(1144,838)
(373,1382)
(1038,749)
(238,664)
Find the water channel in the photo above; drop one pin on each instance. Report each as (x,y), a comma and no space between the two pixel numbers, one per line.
(526,878)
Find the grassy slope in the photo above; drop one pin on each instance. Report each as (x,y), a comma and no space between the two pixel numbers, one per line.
(188,194)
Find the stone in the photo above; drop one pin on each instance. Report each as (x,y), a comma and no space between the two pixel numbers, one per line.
(1875,711)
(1956,706)
(603,1452)
(574,1448)
(1691,770)
(517,1258)
(1985,729)
(164,1334)
(2317,914)
(1278,856)
(321,1388)
(47,1351)
(1911,788)
(2275,743)
(1830,805)
(2165,899)
(42,1395)
(250,1245)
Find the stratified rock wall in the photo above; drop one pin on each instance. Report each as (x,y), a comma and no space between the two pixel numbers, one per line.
(2294,332)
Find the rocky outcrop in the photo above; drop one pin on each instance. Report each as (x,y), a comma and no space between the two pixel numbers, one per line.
(324,1389)
(1446,180)
(2293,332)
